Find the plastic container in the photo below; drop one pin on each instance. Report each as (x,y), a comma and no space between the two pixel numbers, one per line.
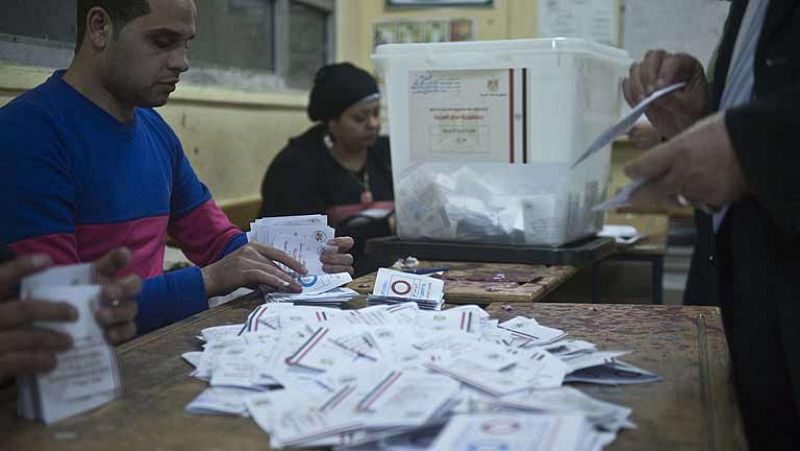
(483,135)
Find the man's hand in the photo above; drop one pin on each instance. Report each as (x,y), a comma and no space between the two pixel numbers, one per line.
(699,164)
(340,260)
(25,349)
(677,112)
(251,265)
(644,136)
(118,308)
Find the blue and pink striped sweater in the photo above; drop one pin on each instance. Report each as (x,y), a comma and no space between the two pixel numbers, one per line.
(77,183)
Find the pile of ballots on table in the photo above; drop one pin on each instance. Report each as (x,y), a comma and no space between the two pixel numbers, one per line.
(397,375)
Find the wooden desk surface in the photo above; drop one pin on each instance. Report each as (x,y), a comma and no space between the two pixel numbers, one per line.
(484,283)
(694,407)
(649,245)
(691,409)
(150,414)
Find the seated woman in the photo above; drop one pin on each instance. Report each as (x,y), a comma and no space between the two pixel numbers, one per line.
(340,166)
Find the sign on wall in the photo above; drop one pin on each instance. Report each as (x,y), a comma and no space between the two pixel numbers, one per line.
(439,2)
(423,31)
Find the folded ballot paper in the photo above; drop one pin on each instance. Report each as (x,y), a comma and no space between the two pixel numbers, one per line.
(399,375)
(304,238)
(394,287)
(542,432)
(86,376)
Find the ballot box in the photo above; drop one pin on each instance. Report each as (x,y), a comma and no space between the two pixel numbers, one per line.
(484,136)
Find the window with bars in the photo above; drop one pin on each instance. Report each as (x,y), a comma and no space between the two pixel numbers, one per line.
(247,44)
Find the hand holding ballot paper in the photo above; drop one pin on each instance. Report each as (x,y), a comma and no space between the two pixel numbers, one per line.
(698,165)
(55,338)
(292,254)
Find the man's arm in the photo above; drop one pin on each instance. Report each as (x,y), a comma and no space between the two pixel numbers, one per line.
(209,239)
(203,231)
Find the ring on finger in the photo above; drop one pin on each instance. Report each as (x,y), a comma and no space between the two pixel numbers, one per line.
(115,303)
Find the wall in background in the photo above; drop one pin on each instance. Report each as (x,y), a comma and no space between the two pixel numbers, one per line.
(506,19)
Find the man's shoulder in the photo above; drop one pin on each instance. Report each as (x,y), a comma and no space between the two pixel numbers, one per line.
(32,117)
(33,105)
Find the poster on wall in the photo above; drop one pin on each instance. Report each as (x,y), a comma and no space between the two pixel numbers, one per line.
(409,32)
(384,33)
(596,20)
(439,2)
(423,31)
(462,30)
(435,31)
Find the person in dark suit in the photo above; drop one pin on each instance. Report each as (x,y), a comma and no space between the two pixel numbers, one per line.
(733,149)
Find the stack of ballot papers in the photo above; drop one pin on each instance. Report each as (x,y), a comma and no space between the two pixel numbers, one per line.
(320,290)
(397,287)
(335,297)
(304,238)
(313,376)
(87,375)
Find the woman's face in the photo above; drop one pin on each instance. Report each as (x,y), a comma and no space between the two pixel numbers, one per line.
(358,126)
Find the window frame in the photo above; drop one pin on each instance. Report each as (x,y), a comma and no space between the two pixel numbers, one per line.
(37,52)
(283,32)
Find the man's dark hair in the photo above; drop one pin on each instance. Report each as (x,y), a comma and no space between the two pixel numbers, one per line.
(121,12)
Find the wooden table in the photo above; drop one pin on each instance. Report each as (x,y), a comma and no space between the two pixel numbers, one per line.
(484,283)
(692,409)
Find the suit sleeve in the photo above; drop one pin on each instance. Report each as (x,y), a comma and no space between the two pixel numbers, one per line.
(765,137)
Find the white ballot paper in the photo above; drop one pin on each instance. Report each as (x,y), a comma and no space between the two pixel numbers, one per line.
(86,376)
(570,400)
(622,199)
(393,286)
(529,329)
(581,361)
(304,238)
(221,401)
(291,418)
(316,284)
(59,276)
(530,432)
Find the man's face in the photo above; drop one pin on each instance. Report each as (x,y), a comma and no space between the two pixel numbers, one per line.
(143,63)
